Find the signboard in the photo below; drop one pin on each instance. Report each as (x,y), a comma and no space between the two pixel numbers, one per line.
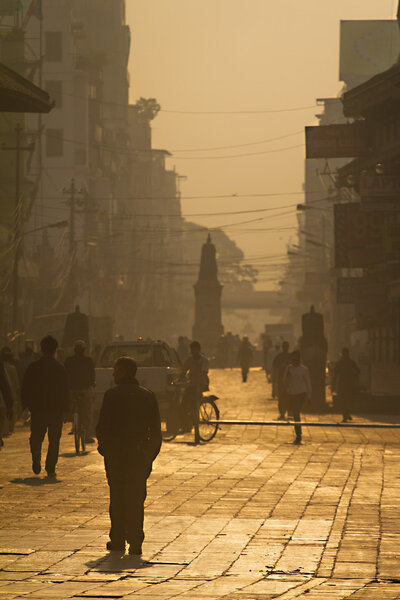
(346,289)
(337,141)
(378,186)
(387,204)
(380,192)
(367,48)
(365,238)
(371,306)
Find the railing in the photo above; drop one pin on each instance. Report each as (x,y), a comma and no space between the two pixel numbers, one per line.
(308,424)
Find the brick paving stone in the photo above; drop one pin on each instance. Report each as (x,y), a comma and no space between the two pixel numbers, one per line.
(247,517)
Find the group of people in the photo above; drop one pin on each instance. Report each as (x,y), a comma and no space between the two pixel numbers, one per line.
(291,384)
(128,430)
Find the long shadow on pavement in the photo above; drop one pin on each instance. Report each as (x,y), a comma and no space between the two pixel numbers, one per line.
(74,454)
(35,481)
(116,562)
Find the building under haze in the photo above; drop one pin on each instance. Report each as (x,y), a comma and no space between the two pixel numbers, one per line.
(366,48)
(94,172)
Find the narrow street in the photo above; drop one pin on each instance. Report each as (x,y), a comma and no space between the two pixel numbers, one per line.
(248,516)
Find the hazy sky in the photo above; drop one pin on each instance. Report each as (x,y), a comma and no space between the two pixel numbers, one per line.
(240,55)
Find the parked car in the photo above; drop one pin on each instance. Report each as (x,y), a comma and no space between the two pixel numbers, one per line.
(159,370)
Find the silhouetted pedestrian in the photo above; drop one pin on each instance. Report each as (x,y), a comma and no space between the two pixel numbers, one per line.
(245,357)
(6,403)
(11,366)
(183,348)
(82,379)
(27,358)
(196,367)
(45,391)
(129,436)
(345,382)
(279,366)
(298,386)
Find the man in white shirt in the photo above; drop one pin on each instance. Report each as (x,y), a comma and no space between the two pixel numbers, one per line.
(298,385)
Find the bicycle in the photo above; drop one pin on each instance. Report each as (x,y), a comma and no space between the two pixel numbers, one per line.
(176,421)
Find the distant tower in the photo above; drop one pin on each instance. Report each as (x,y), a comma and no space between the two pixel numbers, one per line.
(208,326)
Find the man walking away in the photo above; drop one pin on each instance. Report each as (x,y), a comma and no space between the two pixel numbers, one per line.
(279,366)
(345,382)
(245,356)
(196,367)
(298,385)
(45,392)
(6,403)
(273,351)
(82,377)
(11,368)
(129,437)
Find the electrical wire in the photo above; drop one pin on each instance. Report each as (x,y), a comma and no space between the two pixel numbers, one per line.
(198,112)
(238,112)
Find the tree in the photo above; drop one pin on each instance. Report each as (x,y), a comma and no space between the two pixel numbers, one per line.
(147,109)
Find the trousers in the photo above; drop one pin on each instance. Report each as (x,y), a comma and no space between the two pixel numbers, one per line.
(40,425)
(296,401)
(82,401)
(128,490)
(345,397)
(282,399)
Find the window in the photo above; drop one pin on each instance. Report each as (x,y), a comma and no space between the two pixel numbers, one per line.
(54,89)
(54,142)
(53,46)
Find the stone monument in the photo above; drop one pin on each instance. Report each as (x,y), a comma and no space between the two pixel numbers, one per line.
(76,328)
(314,348)
(208,326)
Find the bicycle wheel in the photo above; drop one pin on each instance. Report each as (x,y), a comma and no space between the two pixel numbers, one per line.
(76,432)
(208,411)
(168,430)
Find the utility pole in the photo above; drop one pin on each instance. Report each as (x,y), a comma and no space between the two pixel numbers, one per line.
(18,148)
(72,192)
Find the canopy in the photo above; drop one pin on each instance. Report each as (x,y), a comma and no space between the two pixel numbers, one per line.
(17,94)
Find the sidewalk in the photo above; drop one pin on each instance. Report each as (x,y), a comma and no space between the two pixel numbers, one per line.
(247,517)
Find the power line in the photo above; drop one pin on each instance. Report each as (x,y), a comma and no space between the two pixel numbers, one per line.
(199,112)
(226,156)
(150,151)
(275,139)
(238,112)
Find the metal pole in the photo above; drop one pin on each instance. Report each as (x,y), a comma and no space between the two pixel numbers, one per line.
(308,424)
(72,218)
(17,239)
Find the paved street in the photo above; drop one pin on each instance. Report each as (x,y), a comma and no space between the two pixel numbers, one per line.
(248,516)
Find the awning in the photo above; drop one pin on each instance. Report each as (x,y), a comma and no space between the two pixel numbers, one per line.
(17,94)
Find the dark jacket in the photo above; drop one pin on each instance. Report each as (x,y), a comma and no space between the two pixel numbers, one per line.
(5,389)
(345,376)
(245,354)
(81,373)
(129,424)
(45,388)
(279,365)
